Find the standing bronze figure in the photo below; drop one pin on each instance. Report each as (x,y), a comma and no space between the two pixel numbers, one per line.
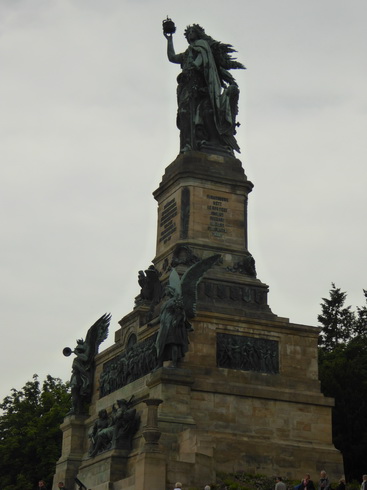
(81,381)
(207,94)
(177,311)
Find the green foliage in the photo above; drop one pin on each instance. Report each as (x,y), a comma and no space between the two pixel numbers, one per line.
(30,437)
(343,376)
(361,322)
(337,321)
(245,481)
(354,485)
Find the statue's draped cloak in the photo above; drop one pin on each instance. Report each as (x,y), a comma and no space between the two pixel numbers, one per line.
(219,100)
(82,377)
(172,330)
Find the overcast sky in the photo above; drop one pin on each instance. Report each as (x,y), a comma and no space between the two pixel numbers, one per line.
(87,127)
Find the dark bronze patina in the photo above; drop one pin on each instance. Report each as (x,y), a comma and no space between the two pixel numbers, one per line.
(207,94)
(81,381)
(180,306)
(116,430)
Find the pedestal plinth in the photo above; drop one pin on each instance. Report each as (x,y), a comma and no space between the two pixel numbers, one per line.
(73,442)
(246,396)
(202,202)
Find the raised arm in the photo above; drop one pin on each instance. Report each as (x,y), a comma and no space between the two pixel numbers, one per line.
(172,56)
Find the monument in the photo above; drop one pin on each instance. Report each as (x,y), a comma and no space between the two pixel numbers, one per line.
(203,377)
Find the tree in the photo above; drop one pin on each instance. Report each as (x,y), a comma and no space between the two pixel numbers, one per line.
(361,322)
(30,435)
(343,376)
(338,323)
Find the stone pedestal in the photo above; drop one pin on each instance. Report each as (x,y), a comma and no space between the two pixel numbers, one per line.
(73,443)
(110,466)
(202,200)
(202,211)
(246,396)
(150,471)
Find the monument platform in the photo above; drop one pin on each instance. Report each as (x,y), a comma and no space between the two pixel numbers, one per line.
(245,397)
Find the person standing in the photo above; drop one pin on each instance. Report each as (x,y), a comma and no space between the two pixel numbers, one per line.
(324,483)
(307,483)
(280,485)
(61,485)
(364,482)
(341,484)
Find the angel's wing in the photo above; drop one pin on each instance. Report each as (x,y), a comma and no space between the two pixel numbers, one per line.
(174,282)
(190,281)
(223,56)
(97,334)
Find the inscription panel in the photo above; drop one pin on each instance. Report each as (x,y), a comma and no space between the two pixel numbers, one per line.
(167,223)
(217,207)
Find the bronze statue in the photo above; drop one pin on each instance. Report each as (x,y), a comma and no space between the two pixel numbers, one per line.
(119,430)
(148,280)
(81,381)
(101,423)
(151,289)
(207,94)
(172,339)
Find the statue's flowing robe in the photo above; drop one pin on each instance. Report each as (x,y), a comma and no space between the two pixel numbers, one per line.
(219,98)
(81,378)
(172,330)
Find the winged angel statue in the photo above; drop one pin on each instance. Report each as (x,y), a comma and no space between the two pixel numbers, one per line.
(207,94)
(172,339)
(81,381)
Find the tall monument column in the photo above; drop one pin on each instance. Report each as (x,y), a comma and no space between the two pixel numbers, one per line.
(202,210)
(202,202)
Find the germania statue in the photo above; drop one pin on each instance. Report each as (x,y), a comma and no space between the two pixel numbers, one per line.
(207,94)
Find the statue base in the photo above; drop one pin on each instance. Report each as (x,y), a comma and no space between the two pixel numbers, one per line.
(245,397)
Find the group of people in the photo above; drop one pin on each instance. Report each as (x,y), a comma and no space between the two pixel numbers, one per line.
(60,485)
(308,484)
(178,486)
(42,485)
